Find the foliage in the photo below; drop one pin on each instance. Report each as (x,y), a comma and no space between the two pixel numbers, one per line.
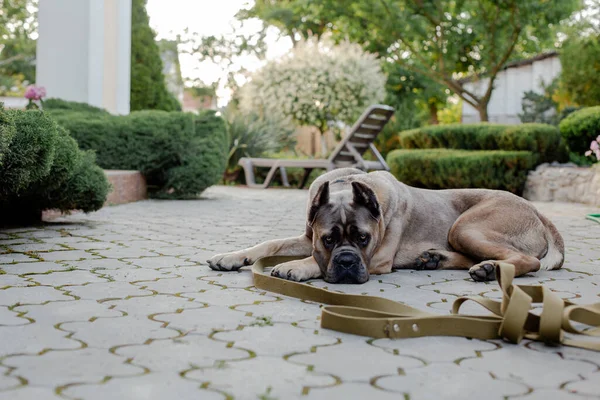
(30,153)
(448,40)
(17,47)
(455,169)
(580,60)
(53,104)
(251,136)
(180,154)
(45,169)
(451,114)
(315,84)
(543,140)
(540,107)
(7,132)
(578,130)
(148,87)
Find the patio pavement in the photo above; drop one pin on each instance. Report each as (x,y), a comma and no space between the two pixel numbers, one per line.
(120,304)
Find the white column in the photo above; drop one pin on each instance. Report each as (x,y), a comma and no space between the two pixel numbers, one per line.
(83,51)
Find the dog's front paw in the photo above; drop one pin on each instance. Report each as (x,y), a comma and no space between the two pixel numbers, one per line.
(229,261)
(294,271)
(485,271)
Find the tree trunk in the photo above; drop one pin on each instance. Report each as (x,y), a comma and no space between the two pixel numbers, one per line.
(433,114)
(483,112)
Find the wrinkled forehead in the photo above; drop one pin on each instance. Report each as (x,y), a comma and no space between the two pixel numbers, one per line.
(340,212)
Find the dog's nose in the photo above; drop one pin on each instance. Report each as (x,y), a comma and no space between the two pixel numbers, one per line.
(347,260)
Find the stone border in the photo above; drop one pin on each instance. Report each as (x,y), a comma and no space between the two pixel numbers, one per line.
(564,183)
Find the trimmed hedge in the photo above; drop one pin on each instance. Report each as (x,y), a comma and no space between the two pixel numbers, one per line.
(580,128)
(454,169)
(180,154)
(59,104)
(44,169)
(542,139)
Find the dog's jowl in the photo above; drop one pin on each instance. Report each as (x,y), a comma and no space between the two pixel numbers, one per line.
(360,224)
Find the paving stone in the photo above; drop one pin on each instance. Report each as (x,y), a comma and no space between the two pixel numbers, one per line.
(41,267)
(60,368)
(28,393)
(68,278)
(15,258)
(108,290)
(179,355)
(449,381)
(163,325)
(57,312)
(30,295)
(351,391)
(355,361)
(147,387)
(264,339)
(107,333)
(67,255)
(534,368)
(27,339)
(239,379)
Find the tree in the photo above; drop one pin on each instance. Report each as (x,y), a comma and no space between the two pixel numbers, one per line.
(18,25)
(317,84)
(446,40)
(580,76)
(148,87)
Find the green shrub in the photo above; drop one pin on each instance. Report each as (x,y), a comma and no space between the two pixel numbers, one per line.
(541,139)
(180,154)
(7,132)
(578,130)
(453,169)
(31,152)
(59,104)
(45,169)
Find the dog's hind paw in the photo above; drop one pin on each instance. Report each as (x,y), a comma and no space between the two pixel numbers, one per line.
(228,261)
(485,271)
(428,260)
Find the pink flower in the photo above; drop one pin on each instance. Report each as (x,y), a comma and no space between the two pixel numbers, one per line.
(594,145)
(35,92)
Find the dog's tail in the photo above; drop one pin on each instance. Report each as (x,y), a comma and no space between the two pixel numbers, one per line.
(555,255)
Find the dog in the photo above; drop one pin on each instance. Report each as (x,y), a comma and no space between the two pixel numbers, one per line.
(359,224)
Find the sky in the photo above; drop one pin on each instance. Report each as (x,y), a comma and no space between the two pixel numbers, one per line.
(207,17)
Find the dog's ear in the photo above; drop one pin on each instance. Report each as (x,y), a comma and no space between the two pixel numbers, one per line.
(364,196)
(320,199)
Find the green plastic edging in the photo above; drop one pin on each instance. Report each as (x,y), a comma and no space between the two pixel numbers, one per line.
(593,217)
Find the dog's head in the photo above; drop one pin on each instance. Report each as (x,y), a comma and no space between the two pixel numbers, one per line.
(346,231)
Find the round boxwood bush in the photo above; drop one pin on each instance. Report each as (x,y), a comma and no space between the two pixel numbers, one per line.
(458,169)
(7,132)
(30,154)
(59,104)
(580,128)
(45,169)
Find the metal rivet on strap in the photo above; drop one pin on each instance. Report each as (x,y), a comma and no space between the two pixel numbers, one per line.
(415,328)
(396,328)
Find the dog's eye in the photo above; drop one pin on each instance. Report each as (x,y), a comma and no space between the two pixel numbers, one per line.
(328,239)
(363,237)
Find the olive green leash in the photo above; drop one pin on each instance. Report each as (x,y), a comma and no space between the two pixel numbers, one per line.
(512,319)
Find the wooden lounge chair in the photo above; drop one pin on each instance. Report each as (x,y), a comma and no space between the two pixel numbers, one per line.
(348,153)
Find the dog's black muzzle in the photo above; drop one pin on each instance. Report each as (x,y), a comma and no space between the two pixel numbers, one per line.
(347,267)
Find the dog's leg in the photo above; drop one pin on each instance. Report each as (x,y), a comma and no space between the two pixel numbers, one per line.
(442,259)
(295,246)
(298,270)
(492,253)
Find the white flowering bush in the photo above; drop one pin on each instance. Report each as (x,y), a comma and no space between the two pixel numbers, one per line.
(317,84)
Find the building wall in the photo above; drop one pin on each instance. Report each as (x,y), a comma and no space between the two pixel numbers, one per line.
(84,51)
(510,86)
